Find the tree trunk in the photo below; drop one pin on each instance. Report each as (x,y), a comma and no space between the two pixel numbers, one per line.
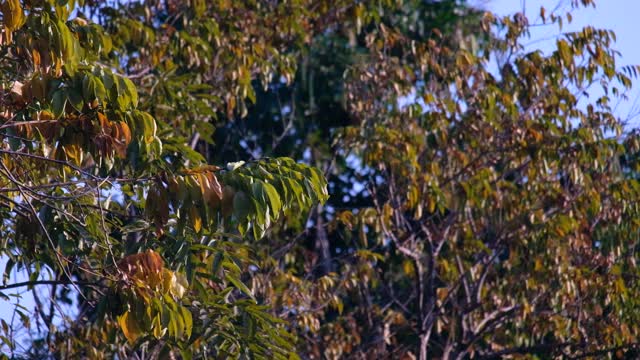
(322,244)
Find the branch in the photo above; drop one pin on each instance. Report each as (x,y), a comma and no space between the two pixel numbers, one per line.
(56,161)
(22,123)
(599,353)
(492,318)
(59,256)
(521,350)
(49,282)
(550,349)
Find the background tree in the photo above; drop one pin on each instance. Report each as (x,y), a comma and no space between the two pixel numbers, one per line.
(496,197)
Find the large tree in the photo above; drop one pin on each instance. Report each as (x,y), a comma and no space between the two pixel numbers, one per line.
(104,199)
(503,220)
(475,213)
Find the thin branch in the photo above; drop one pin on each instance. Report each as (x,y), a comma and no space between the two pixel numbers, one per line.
(522,350)
(59,256)
(21,123)
(49,282)
(56,161)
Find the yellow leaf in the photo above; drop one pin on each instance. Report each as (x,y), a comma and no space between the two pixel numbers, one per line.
(407,267)
(432,204)
(179,285)
(197,220)
(174,283)
(167,279)
(158,332)
(129,326)
(442,293)
(13,16)
(73,153)
(538,265)
(205,187)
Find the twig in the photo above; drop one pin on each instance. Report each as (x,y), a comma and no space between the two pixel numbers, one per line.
(49,282)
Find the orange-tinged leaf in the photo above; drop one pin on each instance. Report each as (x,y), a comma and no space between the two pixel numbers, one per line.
(205,186)
(129,326)
(126,132)
(408,268)
(154,260)
(13,16)
(538,265)
(17,91)
(73,152)
(196,219)
(102,119)
(442,293)
(211,189)
(145,266)
(215,185)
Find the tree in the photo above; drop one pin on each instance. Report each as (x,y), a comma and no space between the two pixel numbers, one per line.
(502,221)
(474,213)
(107,202)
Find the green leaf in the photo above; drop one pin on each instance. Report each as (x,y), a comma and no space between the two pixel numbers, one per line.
(239,285)
(130,90)
(75,99)
(93,88)
(7,270)
(148,126)
(58,102)
(274,199)
(186,354)
(100,91)
(32,278)
(188,320)
(242,206)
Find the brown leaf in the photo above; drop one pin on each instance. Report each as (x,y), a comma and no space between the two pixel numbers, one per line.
(142,264)
(215,185)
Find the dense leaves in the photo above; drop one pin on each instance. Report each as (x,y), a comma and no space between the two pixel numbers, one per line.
(483,195)
(103,201)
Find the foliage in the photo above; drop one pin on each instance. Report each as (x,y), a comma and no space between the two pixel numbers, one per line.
(474,213)
(103,199)
(495,196)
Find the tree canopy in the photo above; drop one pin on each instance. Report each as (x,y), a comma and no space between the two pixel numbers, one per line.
(313,179)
